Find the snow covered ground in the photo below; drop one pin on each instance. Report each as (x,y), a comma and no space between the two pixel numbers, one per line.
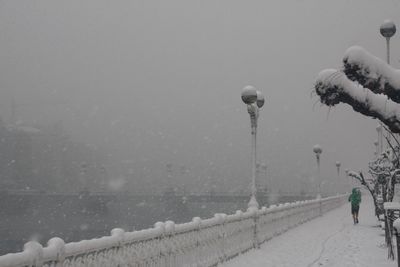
(331,240)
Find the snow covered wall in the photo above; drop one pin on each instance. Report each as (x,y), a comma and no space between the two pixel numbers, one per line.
(366,83)
(197,243)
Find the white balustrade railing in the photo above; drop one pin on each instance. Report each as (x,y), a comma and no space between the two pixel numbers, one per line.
(198,243)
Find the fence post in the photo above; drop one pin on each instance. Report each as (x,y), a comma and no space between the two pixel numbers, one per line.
(197,256)
(36,251)
(161,243)
(59,248)
(224,237)
(221,217)
(170,232)
(261,214)
(118,233)
(254,214)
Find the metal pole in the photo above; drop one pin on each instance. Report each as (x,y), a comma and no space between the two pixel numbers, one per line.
(387,30)
(319,177)
(253,111)
(388,62)
(382,140)
(319,186)
(388,50)
(318,150)
(254,157)
(254,100)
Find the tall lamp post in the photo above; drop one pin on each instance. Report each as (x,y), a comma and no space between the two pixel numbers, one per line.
(387,30)
(337,163)
(318,150)
(338,168)
(254,101)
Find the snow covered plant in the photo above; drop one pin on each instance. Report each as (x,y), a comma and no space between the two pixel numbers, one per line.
(366,83)
(379,185)
(384,170)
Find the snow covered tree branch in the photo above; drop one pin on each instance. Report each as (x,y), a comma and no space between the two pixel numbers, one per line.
(366,83)
(333,87)
(372,72)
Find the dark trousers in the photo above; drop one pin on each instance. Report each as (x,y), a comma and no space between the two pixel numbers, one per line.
(355,209)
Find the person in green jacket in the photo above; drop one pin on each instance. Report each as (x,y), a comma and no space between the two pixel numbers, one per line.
(355,200)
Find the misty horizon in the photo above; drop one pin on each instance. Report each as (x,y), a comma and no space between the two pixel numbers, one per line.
(152,84)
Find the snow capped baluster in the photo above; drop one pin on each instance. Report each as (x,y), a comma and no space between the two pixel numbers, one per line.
(54,253)
(171,247)
(239,233)
(117,251)
(146,247)
(186,238)
(209,242)
(264,223)
(36,252)
(253,212)
(224,255)
(233,232)
(221,243)
(162,250)
(196,239)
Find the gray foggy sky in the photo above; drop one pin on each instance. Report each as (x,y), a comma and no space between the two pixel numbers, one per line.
(159,82)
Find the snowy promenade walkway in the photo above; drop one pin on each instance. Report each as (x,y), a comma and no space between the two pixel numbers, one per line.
(331,240)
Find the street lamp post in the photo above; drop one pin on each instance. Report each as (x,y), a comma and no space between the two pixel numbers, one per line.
(388,29)
(337,163)
(318,150)
(254,101)
(338,167)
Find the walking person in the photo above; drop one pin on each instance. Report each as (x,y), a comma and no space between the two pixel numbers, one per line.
(355,200)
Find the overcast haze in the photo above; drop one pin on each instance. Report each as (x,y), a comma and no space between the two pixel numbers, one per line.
(158,82)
